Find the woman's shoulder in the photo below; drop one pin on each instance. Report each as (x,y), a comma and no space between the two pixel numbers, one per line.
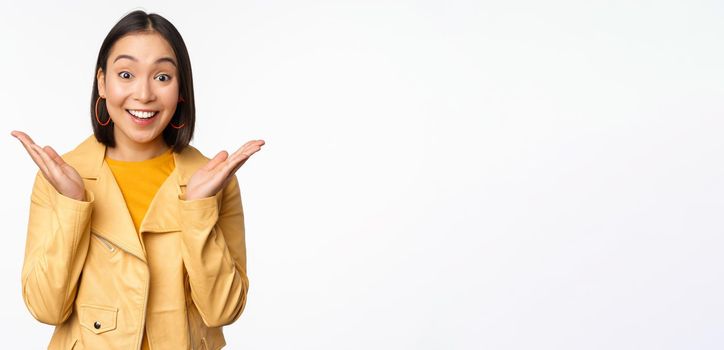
(86,157)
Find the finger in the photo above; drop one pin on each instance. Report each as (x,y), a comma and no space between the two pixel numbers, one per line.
(214,162)
(246,150)
(235,154)
(54,155)
(50,165)
(28,145)
(232,167)
(21,136)
(64,167)
(250,143)
(226,181)
(255,143)
(38,159)
(24,139)
(254,146)
(47,166)
(240,156)
(233,171)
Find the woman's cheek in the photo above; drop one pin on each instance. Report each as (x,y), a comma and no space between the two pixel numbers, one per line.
(116,94)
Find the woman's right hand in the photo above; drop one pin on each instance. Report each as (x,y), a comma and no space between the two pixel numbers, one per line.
(60,174)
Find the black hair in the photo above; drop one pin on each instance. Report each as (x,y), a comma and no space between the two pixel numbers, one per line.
(141,22)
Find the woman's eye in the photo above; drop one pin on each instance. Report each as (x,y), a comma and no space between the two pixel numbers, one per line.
(124,75)
(163,77)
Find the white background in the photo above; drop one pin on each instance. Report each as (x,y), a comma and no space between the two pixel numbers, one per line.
(437,174)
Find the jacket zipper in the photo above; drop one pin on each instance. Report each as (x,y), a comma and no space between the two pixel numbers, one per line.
(110,247)
(105,242)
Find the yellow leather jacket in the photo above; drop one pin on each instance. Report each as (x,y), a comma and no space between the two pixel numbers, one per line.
(87,272)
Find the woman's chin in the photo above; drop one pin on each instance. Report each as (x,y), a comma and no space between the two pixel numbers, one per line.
(141,136)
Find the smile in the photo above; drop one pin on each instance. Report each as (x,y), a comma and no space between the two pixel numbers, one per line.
(142,114)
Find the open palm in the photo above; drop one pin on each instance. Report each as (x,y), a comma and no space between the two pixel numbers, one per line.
(216,174)
(60,174)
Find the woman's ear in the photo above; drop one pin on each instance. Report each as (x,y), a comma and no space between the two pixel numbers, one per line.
(101,78)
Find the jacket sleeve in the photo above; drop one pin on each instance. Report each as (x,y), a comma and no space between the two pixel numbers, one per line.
(214,254)
(55,251)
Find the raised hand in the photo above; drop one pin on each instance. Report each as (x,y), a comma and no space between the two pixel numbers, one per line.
(60,174)
(216,174)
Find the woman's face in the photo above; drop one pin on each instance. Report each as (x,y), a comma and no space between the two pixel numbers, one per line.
(141,87)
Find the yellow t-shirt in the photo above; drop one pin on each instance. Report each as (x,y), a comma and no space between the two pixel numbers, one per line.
(139,182)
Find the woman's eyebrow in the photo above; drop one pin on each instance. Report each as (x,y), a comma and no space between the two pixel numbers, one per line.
(162,59)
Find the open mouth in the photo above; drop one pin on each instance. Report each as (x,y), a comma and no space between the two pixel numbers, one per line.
(142,114)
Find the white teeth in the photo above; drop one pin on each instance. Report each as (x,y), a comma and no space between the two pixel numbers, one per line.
(141,114)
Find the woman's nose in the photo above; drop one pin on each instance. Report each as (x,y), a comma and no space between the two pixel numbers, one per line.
(144,91)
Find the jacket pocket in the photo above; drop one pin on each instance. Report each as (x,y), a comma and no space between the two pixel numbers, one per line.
(98,319)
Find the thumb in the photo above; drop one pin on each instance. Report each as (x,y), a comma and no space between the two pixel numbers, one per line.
(218,159)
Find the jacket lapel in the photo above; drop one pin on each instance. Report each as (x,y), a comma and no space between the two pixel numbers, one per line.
(110,217)
(162,213)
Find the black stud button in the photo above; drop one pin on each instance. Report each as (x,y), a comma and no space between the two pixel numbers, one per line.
(97,325)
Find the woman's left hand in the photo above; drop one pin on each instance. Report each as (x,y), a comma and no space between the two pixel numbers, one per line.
(216,174)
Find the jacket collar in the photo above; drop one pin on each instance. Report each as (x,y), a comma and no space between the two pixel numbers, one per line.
(111,218)
(93,154)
